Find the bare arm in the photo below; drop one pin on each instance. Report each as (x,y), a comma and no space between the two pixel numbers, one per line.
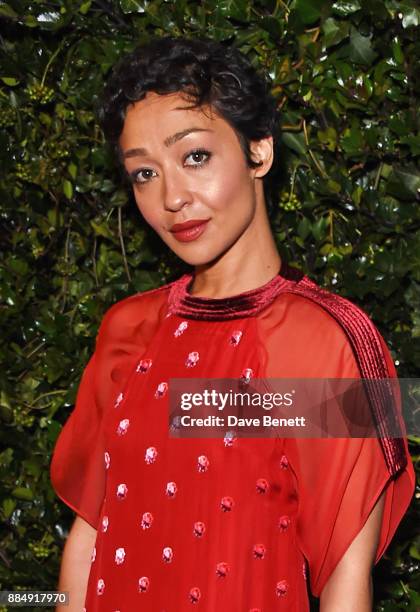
(349,588)
(75,564)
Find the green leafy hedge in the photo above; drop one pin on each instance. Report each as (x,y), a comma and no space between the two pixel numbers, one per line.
(72,242)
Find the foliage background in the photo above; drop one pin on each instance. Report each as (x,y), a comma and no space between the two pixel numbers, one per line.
(72,242)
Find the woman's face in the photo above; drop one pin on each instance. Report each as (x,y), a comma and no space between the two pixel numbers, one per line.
(188,165)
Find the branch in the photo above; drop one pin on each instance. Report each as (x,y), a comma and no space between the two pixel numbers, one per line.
(121,237)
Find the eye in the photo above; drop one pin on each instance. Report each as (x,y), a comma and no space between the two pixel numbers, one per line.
(199,157)
(142,176)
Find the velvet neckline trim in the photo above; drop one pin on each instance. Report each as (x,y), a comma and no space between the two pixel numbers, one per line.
(245,304)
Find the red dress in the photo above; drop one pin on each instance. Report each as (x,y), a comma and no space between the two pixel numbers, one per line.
(216,524)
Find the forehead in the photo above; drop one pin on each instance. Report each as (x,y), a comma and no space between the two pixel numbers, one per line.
(156,116)
(169,104)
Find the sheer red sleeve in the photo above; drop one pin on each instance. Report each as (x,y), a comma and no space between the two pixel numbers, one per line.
(339,481)
(77,468)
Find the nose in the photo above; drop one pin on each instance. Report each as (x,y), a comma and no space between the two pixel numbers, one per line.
(175,192)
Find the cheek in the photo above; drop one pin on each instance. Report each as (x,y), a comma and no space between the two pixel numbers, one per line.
(149,212)
(229,189)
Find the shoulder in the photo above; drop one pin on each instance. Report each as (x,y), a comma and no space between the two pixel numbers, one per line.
(128,315)
(126,330)
(314,304)
(308,292)
(331,319)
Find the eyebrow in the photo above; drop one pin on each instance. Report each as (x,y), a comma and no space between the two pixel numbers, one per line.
(170,140)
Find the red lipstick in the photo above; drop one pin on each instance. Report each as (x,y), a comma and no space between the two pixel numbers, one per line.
(190,230)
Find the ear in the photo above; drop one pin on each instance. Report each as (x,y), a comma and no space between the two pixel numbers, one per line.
(262,151)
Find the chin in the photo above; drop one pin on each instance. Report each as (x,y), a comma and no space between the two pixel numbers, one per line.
(196,259)
(203,252)
(195,256)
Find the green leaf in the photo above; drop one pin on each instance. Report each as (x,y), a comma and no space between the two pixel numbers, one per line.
(18,265)
(319,228)
(334,186)
(397,51)
(414,551)
(11,81)
(413,142)
(23,493)
(32,467)
(132,6)
(234,9)
(309,11)
(361,49)
(272,25)
(6,457)
(72,168)
(352,140)
(304,228)
(334,31)
(8,506)
(84,8)
(403,184)
(346,8)
(410,15)
(7,11)
(328,138)
(294,141)
(68,189)
(102,229)
(356,195)
(30,21)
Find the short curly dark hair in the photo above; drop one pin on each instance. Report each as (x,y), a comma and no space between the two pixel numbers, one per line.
(208,72)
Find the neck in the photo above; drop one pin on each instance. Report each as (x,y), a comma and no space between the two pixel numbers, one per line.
(252,261)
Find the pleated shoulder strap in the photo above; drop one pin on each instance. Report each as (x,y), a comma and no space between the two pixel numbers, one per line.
(369,354)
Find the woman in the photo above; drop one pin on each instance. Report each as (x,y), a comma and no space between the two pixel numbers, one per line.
(166,524)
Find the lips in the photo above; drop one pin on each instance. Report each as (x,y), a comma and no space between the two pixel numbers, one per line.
(190,230)
(180,227)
